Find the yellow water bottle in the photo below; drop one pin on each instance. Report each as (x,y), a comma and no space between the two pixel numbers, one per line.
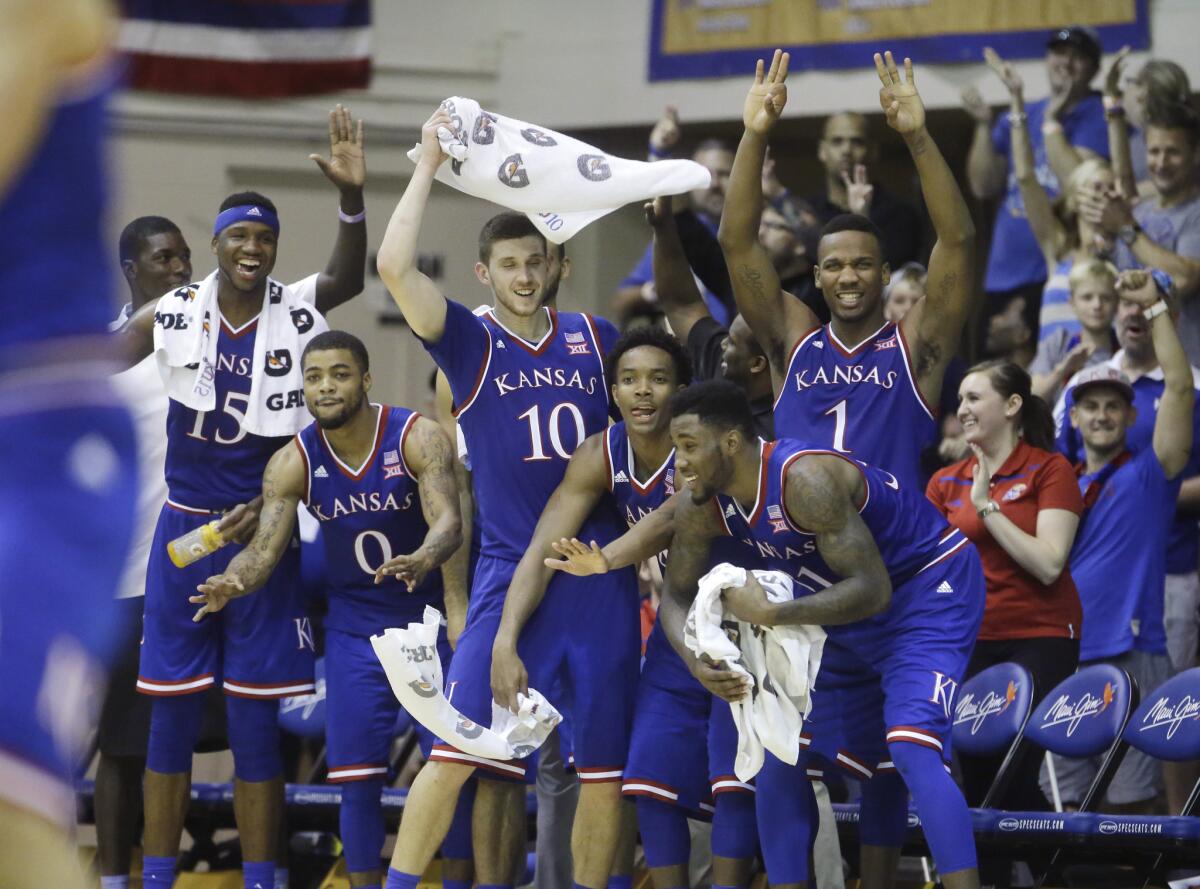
(196,544)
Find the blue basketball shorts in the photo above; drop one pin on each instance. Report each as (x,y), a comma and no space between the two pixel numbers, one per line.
(362,713)
(582,643)
(893,678)
(69,488)
(259,646)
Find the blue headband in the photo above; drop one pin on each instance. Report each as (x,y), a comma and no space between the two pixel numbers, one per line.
(245,213)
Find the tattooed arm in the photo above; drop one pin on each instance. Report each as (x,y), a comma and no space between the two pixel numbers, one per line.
(283,488)
(821,494)
(429,456)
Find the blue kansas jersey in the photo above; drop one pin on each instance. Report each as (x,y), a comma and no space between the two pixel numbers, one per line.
(368,514)
(523,408)
(212,463)
(861,401)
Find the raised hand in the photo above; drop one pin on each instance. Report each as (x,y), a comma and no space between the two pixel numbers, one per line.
(1073,362)
(347,165)
(981,479)
(973,101)
(859,191)
(899,99)
(431,148)
(658,212)
(215,594)
(1138,287)
(767,96)
(410,569)
(1005,71)
(578,558)
(665,135)
(1112,80)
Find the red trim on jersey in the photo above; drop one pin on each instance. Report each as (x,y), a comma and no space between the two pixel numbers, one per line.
(655,479)
(162,688)
(408,425)
(600,774)
(729,784)
(479,377)
(792,360)
(600,354)
(608,460)
(837,344)
(766,448)
(716,504)
(265,691)
(652,788)
(371,770)
(912,376)
(532,348)
(511,769)
(914,735)
(854,765)
(796,526)
(380,431)
(307,469)
(239,332)
(191,510)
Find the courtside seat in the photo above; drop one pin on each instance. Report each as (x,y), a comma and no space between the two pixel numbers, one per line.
(990,716)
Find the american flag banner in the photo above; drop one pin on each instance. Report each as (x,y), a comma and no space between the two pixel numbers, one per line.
(247,48)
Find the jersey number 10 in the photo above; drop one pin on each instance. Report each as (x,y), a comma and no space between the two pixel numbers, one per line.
(553,431)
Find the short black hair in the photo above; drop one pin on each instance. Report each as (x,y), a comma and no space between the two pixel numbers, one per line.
(246,198)
(852,222)
(506,227)
(1175,116)
(134,235)
(339,339)
(647,335)
(717,403)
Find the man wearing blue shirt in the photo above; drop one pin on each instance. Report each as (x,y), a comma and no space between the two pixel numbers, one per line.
(1065,128)
(1119,560)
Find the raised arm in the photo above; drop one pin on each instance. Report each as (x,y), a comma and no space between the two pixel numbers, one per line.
(678,295)
(428,453)
(938,319)
(986,168)
(416,295)
(1112,213)
(1173,423)
(346,168)
(569,506)
(283,488)
(776,321)
(820,495)
(1118,128)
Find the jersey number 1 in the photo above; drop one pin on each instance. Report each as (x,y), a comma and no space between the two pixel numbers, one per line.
(537,444)
(839,429)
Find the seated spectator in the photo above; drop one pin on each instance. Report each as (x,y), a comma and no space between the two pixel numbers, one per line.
(1118,560)
(1129,103)
(1163,230)
(1064,236)
(1063,130)
(902,292)
(1019,503)
(846,150)
(1009,336)
(1093,298)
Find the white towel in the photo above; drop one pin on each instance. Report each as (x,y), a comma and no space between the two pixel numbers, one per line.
(185,345)
(782,663)
(414,670)
(560,183)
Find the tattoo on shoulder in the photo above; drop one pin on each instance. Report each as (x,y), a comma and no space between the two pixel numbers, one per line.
(814,498)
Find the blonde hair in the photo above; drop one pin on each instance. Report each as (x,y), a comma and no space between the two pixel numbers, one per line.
(1092,267)
(1087,168)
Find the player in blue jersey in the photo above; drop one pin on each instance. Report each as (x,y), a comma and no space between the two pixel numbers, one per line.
(899,592)
(261,649)
(66,441)
(834,384)
(380,480)
(529,386)
(668,773)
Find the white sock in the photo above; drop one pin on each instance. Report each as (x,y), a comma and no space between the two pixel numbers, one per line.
(121,882)
(281,879)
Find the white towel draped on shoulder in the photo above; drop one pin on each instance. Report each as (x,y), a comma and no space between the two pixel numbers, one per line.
(414,670)
(772,715)
(186,326)
(560,183)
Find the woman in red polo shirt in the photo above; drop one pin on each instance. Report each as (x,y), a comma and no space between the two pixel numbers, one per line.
(1018,501)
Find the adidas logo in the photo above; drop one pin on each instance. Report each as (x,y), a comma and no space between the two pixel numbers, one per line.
(499,344)
(944,587)
(254,211)
(818,345)
(320,473)
(729,510)
(620,476)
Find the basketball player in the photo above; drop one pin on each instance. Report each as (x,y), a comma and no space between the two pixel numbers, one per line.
(66,441)
(380,480)
(529,386)
(834,384)
(875,564)
(261,649)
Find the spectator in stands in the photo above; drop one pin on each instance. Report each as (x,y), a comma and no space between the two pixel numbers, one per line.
(1129,103)
(903,291)
(1092,284)
(1064,237)
(846,150)
(1163,230)
(1118,561)
(1009,336)
(1064,129)
(1019,503)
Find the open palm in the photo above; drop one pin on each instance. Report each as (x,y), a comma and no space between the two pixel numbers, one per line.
(899,98)
(346,167)
(768,95)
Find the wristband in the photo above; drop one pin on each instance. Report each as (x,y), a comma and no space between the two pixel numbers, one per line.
(346,217)
(1113,103)
(1017,118)
(1155,310)
(658,154)
(1051,126)
(988,508)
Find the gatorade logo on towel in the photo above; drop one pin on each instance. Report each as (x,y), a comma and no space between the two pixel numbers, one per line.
(537,137)
(593,167)
(484,132)
(512,172)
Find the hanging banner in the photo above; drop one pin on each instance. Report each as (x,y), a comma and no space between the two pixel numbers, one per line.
(721,38)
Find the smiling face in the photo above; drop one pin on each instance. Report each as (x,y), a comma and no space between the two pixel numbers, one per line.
(517,272)
(1170,159)
(645,379)
(1069,69)
(245,254)
(703,457)
(984,412)
(1103,415)
(335,387)
(163,263)
(851,274)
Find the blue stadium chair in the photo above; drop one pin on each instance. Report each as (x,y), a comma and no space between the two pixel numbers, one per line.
(990,716)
